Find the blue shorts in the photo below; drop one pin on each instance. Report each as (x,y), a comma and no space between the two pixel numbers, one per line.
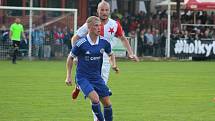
(88,86)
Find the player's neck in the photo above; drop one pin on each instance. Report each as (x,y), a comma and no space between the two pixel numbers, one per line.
(104,21)
(93,37)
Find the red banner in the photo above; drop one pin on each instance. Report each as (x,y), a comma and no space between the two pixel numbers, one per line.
(200,4)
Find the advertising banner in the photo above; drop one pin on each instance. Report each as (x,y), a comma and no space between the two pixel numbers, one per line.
(193,48)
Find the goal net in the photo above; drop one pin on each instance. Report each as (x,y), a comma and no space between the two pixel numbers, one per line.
(48,31)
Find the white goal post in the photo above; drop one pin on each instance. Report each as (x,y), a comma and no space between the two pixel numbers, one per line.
(40,9)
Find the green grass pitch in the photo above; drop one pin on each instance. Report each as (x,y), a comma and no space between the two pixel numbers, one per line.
(145,91)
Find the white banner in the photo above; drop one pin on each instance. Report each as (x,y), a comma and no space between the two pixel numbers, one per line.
(118,48)
(113,5)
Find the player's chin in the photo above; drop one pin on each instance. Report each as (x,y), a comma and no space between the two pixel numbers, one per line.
(97,34)
(104,18)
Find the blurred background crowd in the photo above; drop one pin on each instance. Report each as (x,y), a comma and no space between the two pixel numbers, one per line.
(147,27)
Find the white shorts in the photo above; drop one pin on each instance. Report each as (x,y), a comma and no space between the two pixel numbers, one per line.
(105,68)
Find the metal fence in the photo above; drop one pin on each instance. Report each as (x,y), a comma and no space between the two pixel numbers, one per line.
(43,51)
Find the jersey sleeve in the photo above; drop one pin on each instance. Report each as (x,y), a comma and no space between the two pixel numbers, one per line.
(82,31)
(74,51)
(11,27)
(108,49)
(22,28)
(119,31)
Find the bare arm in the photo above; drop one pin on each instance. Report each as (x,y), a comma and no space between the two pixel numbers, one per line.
(113,63)
(69,65)
(10,34)
(23,35)
(128,47)
(74,39)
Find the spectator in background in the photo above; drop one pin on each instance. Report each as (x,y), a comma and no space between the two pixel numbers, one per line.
(4,34)
(52,32)
(24,46)
(140,16)
(38,36)
(16,30)
(197,34)
(176,33)
(58,42)
(47,45)
(71,34)
(125,25)
(156,46)
(207,34)
(149,42)
(186,34)
(67,40)
(141,43)
(203,16)
(116,15)
(134,24)
(163,43)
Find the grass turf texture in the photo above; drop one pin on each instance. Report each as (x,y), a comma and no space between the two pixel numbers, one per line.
(145,91)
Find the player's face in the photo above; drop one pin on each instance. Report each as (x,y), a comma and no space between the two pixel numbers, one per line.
(103,11)
(17,20)
(96,28)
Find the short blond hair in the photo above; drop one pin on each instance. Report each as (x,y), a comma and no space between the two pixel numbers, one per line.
(92,19)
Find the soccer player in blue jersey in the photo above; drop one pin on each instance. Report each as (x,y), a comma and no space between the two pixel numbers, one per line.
(89,51)
(109,30)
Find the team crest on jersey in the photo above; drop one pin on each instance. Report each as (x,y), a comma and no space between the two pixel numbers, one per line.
(111,30)
(102,50)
